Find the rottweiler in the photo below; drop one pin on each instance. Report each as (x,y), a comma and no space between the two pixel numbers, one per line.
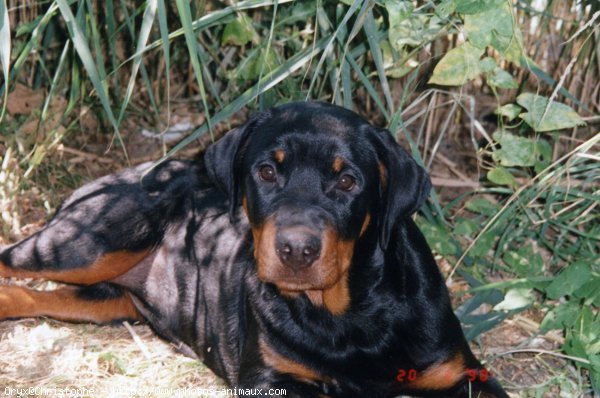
(286,259)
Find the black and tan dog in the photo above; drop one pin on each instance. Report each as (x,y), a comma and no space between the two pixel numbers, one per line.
(288,261)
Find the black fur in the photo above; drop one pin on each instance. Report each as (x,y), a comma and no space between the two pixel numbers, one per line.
(199,287)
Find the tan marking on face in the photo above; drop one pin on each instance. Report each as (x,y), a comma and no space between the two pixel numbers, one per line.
(365,224)
(290,293)
(334,261)
(315,297)
(382,175)
(336,299)
(264,250)
(337,258)
(325,282)
(338,164)
(245,205)
(279,156)
(441,376)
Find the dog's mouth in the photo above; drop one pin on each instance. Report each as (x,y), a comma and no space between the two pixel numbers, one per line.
(298,259)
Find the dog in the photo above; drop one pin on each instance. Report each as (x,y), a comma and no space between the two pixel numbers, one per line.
(287,259)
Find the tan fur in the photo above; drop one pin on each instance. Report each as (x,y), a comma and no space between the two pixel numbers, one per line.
(105,268)
(63,304)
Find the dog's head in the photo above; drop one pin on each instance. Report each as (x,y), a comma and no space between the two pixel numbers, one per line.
(313,178)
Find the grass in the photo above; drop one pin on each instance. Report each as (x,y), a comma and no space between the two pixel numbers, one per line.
(104,359)
(516,236)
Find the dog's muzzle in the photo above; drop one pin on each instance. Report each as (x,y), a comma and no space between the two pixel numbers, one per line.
(297,247)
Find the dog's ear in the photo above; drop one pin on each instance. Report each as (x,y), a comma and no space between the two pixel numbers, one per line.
(404,185)
(223,160)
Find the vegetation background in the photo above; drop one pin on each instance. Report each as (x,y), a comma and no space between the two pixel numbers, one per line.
(499,99)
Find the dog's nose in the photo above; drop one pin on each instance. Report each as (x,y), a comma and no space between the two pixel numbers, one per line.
(297,247)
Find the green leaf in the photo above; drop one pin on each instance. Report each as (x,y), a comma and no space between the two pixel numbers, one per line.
(445,8)
(370,29)
(466,227)
(501,176)
(130,23)
(484,244)
(399,10)
(569,280)
(85,54)
(143,36)
(524,262)
(515,299)
(496,19)
(458,66)
(543,155)
(251,66)
(185,16)
(438,238)
(238,32)
(574,346)
(521,151)
(409,28)
(496,76)
(561,317)
(58,74)
(487,65)
(475,6)
(26,28)
(558,116)
(589,291)
(367,84)
(392,64)
(514,151)
(93,35)
(482,206)
(510,47)
(501,79)
(588,326)
(509,111)
(583,340)
(481,324)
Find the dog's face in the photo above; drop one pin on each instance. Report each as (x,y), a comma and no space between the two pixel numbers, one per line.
(308,195)
(313,178)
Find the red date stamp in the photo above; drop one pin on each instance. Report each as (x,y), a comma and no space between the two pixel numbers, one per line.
(482,375)
(408,375)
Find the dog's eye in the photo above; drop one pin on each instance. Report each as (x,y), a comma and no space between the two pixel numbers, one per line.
(345,183)
(267,173)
